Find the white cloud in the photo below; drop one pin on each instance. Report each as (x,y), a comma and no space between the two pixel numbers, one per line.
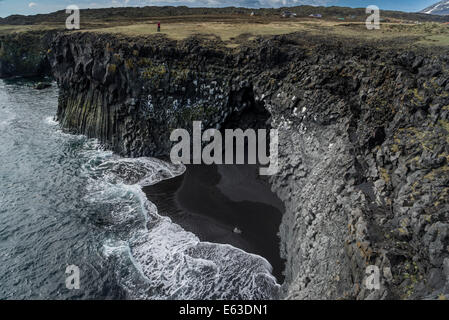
(32,4)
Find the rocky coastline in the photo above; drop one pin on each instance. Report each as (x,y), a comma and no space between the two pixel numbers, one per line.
(363,139)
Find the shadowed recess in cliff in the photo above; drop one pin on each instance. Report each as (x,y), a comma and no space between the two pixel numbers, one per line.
(224,204)
(228,203)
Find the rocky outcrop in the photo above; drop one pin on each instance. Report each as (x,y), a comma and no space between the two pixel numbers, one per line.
(364,175)
(131,95)
(24,54)
(363,142)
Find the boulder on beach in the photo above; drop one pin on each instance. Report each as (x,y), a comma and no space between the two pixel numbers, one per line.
(42,85)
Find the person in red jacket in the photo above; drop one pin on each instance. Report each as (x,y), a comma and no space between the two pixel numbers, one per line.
(158,27)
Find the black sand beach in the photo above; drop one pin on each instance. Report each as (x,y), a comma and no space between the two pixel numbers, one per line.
(212,201)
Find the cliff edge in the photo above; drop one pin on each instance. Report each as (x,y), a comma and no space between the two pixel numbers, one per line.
(363,141)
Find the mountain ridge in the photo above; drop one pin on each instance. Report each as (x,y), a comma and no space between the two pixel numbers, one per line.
(120,14)
(439,8)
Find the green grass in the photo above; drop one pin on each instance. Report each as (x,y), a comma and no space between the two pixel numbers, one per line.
(9,29)
(436,40)
(237,29)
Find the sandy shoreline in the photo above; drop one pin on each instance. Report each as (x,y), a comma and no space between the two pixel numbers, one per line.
(211,201)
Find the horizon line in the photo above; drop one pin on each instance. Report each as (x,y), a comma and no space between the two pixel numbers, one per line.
(203,7)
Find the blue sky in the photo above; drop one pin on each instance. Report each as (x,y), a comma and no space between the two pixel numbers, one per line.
(8,7)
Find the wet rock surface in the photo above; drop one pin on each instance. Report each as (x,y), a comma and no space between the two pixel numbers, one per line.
(42,85)
(24,55)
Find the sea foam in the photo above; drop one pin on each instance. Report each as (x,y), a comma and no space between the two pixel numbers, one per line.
(166,261)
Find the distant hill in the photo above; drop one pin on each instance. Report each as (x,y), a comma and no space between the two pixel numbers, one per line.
(142,13)
(439,8)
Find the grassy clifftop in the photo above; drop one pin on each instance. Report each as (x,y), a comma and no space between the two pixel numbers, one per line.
(22,47)
(235,26)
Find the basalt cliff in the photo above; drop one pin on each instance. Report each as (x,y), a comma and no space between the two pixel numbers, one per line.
(363,140)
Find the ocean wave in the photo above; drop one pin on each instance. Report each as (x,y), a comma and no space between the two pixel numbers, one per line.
(168,262)
(7,118)
(51,121)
